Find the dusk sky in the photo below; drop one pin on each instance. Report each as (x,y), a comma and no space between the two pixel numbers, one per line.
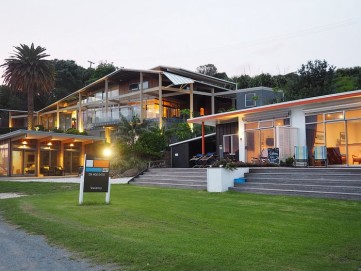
(239,37)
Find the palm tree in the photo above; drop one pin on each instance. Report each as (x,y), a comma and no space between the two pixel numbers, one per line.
(27,71)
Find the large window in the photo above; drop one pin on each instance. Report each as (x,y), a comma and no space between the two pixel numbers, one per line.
(230,144)
(136,86)
(261,135)
(339,132)
(4,162)
(250,99)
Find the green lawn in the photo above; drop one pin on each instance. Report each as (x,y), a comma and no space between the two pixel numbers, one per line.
(168,229)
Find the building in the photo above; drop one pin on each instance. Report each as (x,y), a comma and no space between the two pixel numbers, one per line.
(333,121)
(257,96)
(157,95)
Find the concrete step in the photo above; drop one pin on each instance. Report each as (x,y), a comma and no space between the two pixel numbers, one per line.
(306,175)
(304,187)
(314,170)
(171,185)
(274,180)
(169,180)
(185,178)
(292,192)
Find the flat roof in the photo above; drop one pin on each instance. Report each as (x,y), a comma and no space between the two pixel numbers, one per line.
(50,136)
(192,139)
(232,115)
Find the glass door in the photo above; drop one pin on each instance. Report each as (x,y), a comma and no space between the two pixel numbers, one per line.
(17,162)
(353,142)
(252,145)
(336,143)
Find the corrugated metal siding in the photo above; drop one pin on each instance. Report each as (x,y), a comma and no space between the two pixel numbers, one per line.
(178,80)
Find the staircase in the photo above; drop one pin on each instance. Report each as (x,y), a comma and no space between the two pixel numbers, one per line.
(184,178)
(339,183)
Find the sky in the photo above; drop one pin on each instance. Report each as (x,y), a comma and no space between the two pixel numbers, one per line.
(237,36)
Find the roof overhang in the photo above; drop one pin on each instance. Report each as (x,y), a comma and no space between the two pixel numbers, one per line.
(308,103)
(50,136)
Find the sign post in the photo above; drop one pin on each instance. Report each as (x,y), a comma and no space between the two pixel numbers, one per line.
(95,178)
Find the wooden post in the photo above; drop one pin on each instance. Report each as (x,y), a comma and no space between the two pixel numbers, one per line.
(80,116)
(57,116)
(191,105)
(203,140)
(212,102)
(141,98)
(10,120)
(160,102)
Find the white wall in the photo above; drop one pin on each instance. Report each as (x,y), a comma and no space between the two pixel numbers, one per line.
(298,121)
(242,136)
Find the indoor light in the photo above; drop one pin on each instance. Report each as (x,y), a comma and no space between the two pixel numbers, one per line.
(71,145)
(24,142)
(50,144)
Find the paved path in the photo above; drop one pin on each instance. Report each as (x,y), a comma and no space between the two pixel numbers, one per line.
(21,251)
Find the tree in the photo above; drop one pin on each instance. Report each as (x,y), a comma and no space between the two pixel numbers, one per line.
(101,70)
(312,79)
(27,71)
(129,130)
(208,69)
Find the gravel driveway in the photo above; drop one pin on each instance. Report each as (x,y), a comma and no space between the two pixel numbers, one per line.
(21,251)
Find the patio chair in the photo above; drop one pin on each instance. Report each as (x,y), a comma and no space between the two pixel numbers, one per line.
(262,159)
(335,157)
(195,159)
(356,159)
(320,154)
(301,156)
(206,160)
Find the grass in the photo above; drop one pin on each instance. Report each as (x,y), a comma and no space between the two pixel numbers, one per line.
(167,229)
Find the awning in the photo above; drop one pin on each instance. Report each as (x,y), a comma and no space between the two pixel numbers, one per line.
(177,79)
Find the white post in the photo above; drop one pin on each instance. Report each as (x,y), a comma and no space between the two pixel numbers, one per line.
(107,195)
(81,191)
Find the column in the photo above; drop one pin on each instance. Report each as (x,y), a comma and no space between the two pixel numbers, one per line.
(141,98)
(106,100)
(191,105)
(160,102)
(57,116)
(10,120)
(212,102)
(80,116)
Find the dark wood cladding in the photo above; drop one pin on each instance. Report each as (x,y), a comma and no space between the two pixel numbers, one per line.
(225,129)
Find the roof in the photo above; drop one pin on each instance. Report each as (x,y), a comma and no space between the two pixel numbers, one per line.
(124,74)
(192,139)
(314,101)
(49,136)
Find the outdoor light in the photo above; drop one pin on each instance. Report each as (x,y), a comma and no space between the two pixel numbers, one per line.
(71,145)
(24,142)
(50,144)
(107,152)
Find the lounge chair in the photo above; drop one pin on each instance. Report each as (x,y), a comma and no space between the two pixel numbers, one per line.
(195,159)
(301,156)
(335,157)
(206,160)
(320,154)
(356,159)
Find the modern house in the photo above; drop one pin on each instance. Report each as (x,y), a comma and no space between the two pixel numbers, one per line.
(156,95)
(333,121)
